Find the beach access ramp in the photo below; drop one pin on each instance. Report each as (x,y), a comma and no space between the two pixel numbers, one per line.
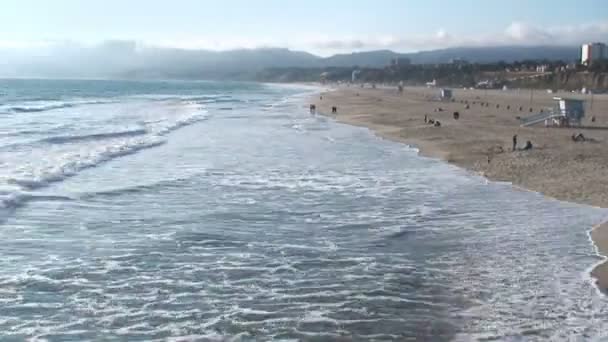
(538,118)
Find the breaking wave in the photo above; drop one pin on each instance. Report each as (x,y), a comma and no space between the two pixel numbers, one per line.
(183,122)
(38,108)
(42,106)
(16,199)
(73,152)
(96,136)
(73,165)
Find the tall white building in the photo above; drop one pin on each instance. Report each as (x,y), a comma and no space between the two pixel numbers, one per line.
(593,52)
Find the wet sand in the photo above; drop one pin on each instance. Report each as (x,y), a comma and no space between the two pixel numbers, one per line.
(481,139)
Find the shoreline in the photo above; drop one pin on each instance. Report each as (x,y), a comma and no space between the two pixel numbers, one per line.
(399,118)
(599,271)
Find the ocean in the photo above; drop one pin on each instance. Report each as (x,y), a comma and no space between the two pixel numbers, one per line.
(195,211)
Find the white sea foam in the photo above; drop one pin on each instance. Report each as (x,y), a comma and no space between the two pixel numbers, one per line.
(59,167)
(183,121)
(288,236)
(37,166)
(47,105)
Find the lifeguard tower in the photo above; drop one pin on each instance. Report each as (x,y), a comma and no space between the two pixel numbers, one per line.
(565,113)
(445,94)
(573,110)
(323,77)
(355,75)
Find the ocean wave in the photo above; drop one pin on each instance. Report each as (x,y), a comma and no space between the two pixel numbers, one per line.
(71,167)
(93,150)
(95,136)
(38,108)
(29,130)
(135,188)
(200,99)
(16,199)
(42,106)
(183,122)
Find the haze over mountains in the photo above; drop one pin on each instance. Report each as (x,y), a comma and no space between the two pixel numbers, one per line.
(124,59)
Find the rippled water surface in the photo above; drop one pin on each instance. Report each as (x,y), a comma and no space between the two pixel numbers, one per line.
(195,211)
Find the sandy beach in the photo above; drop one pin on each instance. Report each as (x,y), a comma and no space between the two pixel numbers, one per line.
(481,139)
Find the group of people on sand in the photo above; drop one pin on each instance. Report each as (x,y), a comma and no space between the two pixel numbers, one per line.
(313,107)
(499,149)
(487,104)
(436,123)
(433,122)
(578,137)
(526,147)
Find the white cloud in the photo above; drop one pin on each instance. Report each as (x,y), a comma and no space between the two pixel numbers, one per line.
(442,35)
(517,33)
(19,45)
(340,44)
(522,32)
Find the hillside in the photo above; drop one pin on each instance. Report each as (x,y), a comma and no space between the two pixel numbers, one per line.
(446,75)
(499,53)
(471,54)
(126,60)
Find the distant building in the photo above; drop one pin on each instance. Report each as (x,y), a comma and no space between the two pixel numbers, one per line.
(542,68)
(458,61)
(355,75)
(593,52)
(486,84)
(400,61)
(323,77)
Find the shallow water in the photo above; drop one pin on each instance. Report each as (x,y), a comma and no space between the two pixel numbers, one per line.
(143,211)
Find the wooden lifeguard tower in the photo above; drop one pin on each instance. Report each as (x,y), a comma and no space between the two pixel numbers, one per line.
(445,94)
(572,110)
(565,113)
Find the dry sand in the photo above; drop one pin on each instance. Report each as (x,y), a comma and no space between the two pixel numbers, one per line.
(556,166)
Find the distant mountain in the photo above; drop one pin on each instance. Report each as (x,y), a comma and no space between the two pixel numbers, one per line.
(126,60)
(496,53)
(377,58)
(201,64)
(471,54)
(239,63)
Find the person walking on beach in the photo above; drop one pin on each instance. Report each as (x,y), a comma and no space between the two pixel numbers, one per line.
(514,142)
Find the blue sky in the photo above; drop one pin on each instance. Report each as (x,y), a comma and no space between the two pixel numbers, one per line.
(320,26)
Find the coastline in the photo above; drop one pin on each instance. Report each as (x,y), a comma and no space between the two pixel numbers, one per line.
(599,236)
(480,141)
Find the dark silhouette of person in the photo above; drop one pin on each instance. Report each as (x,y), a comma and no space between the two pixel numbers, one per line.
(578,137)
(514,142)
